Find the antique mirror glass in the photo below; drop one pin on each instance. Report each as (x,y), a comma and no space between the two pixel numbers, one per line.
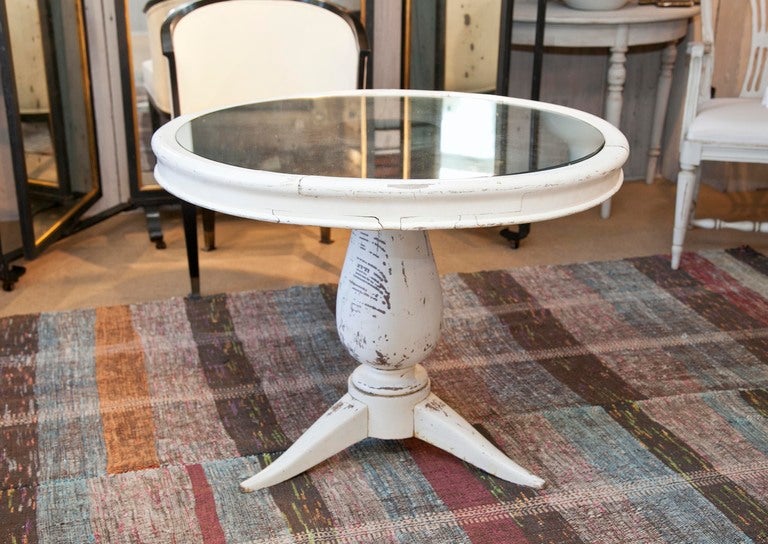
(51,126)
(451,44)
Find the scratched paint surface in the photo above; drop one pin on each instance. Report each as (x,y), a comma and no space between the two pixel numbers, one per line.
(389,306)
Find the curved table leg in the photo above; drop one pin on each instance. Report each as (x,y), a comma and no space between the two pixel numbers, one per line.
(388,314)
(344,424)
(439,424)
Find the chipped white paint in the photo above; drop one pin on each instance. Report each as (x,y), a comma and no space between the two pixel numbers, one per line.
(388,313)
(383,273)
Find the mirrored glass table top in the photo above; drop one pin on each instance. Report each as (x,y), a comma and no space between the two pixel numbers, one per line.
(451,159)
(391,137)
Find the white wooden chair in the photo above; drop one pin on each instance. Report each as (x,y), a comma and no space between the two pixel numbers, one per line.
(225,52)
(728,129)
(154,71)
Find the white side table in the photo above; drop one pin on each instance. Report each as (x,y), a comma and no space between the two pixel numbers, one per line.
(455,161)
(617,31)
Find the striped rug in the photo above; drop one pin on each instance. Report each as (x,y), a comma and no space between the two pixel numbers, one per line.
(639,393)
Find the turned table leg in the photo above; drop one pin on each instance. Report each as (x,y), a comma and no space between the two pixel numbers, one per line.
(663,90)
(614,98)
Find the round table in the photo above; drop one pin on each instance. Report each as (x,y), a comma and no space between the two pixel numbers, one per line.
(390,165)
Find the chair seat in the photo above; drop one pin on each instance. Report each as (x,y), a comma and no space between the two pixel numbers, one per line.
(160,97)
(717,118)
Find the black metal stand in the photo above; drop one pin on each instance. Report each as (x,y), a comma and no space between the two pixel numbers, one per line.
(502,85)
(189,218)
(515,237)
(9,274)
(325,235)
(154,226)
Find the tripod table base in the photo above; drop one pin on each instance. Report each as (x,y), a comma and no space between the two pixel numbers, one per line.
(351,420)
(388,314)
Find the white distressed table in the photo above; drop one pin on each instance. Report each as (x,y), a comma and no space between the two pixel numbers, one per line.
(390,165)
(617,31)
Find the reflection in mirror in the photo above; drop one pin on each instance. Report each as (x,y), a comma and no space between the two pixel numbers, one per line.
(32,92)
(143,19)
(451,45)
(132,39)
(53,123)
(468,157)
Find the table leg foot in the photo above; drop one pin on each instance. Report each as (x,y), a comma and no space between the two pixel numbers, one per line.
(343,424)
(440,425)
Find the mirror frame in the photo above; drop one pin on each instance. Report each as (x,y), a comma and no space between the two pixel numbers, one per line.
(34,244)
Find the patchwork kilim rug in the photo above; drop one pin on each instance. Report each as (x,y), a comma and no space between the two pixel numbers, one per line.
(639,393)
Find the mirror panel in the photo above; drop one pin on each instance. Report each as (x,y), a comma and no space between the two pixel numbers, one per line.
(50,123)
(134,40)
(451,44)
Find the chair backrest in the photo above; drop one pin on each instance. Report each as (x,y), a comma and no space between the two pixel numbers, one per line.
(756,77)
(756,74)
(156,11)
(224,52)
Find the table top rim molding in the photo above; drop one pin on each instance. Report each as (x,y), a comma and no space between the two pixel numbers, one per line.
(378,204)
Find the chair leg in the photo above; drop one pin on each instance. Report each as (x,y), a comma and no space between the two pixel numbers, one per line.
(189,218)
(209,229)
(157,118)
(154,226)
(325,235)
(154,117)
(686,194)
